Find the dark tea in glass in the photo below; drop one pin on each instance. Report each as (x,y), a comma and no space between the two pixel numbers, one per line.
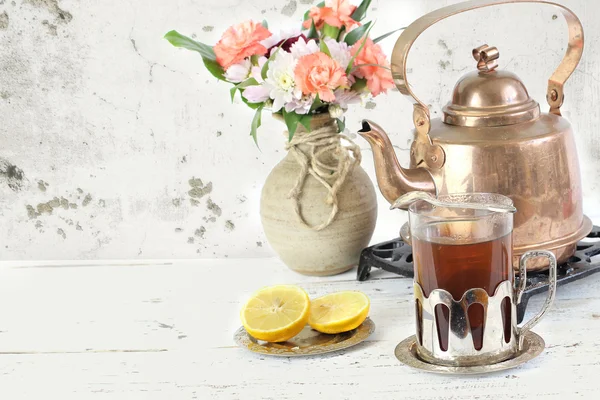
(465,296)
(458,267)
(457,250)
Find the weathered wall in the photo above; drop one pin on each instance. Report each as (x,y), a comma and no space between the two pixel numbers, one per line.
(113,144)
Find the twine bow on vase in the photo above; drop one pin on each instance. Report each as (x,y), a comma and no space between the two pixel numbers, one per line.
(321,155)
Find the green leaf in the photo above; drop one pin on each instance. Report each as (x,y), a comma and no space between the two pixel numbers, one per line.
(351,62)
(361,10)
(380,38)
(179,40)
(246,83)
(359,85)
(341,123)
(265,24)
(323,47)
(232,92)
(214,68)
(265,68)
(208,55)
(291,121)
(305,121)
(316,104)
(256,124)
(330,31)
(355,35)
(306,14)
(312,32)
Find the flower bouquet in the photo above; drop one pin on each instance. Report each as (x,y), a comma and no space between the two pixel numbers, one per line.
(318,206)
(320,66)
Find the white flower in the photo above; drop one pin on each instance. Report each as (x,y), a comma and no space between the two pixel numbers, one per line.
(300,105)
(335,111)
(339,51)
(345,97)
(280,80)
(283,34)
(303,48)
(237,73)
(257,93)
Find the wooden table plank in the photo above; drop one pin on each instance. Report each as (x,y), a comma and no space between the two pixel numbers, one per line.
(165,331)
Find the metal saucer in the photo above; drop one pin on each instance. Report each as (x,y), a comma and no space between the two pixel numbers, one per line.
(406,352)
(307,343)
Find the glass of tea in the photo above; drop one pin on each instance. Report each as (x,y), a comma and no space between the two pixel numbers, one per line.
(465,294)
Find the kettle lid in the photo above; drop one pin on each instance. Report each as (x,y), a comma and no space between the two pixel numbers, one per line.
(488,97)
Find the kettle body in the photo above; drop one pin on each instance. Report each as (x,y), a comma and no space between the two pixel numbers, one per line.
(537,167)
(493,138)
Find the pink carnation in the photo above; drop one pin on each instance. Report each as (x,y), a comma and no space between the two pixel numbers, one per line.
(318,73)
(379,80)
(239,42)
(336,13)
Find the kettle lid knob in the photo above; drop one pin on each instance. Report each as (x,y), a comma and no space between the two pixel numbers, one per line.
(486,57)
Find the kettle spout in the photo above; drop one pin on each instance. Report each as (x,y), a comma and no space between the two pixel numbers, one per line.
(393,180)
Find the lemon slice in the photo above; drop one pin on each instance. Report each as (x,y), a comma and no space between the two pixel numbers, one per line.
(339,312)
(276,313)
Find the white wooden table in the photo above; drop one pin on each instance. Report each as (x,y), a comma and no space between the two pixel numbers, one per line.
(164,331)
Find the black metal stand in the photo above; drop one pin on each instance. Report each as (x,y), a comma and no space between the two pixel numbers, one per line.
(396,256)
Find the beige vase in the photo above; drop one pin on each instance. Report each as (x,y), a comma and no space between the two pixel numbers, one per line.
(335,248)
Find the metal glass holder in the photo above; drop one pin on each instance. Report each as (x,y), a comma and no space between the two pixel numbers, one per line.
(395,256)
(460,342)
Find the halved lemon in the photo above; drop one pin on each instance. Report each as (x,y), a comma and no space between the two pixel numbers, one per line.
(339,312)
(276,313)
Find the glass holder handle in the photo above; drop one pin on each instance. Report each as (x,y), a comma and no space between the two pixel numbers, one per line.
(521,331)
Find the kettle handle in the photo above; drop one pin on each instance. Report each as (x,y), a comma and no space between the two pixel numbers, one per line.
(423,149)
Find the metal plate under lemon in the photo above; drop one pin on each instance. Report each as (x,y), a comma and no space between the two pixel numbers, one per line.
(307,343)
(406,352)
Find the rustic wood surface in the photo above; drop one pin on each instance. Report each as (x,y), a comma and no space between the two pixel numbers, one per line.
(164,331)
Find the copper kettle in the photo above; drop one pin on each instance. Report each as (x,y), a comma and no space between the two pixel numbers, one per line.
(493,138)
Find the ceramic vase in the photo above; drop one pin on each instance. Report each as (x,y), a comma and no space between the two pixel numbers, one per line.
(335,248)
